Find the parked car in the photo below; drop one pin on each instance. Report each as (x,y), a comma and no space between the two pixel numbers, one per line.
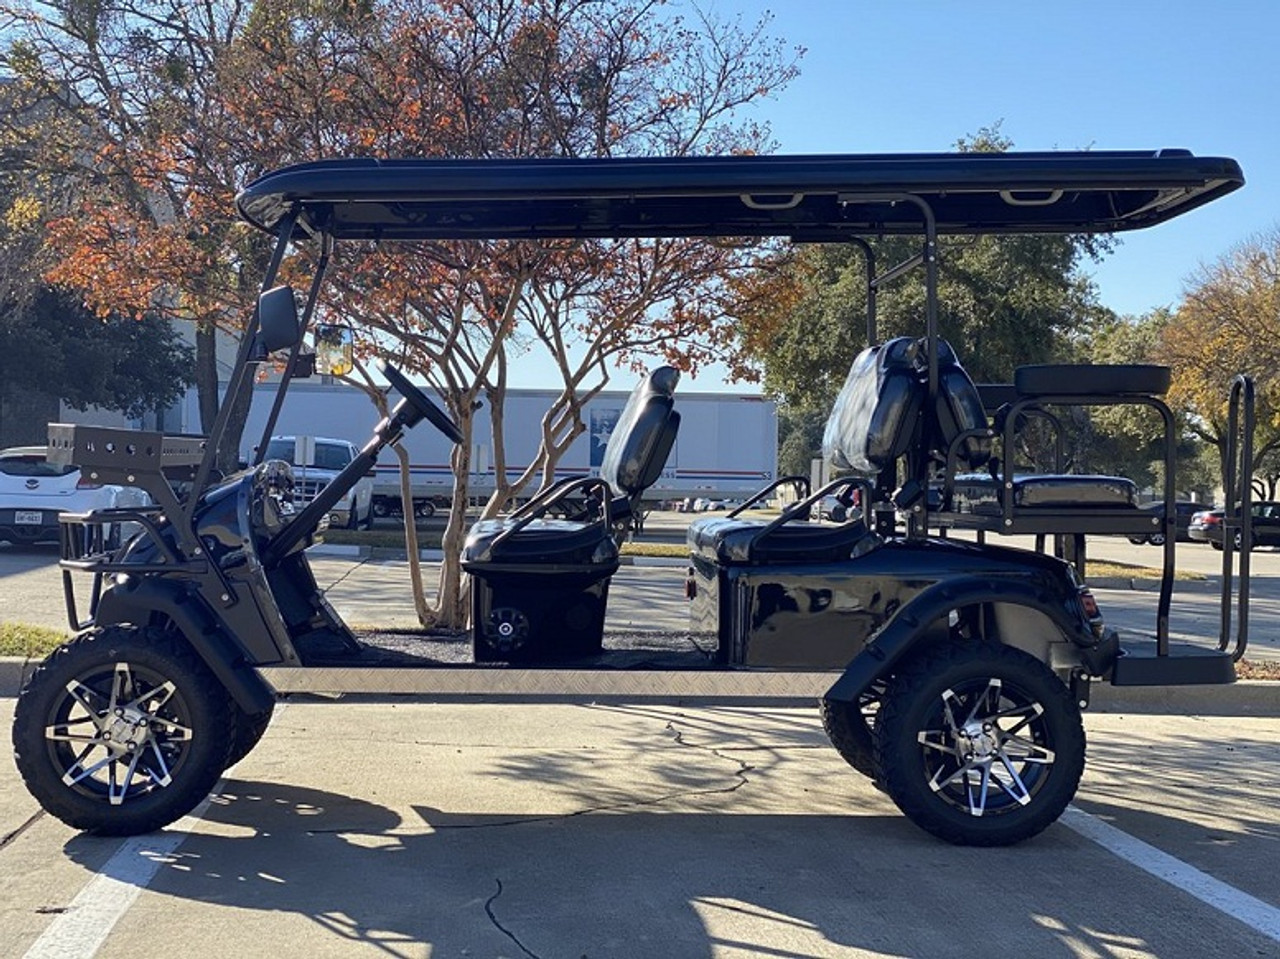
(1185,510)
(33,492)
(1207,526)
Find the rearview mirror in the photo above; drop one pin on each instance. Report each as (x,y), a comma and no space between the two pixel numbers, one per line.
(277,320)
(334,350)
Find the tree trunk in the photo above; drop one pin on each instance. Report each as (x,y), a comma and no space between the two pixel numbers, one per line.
(425,616)
(452,606)
(206,375)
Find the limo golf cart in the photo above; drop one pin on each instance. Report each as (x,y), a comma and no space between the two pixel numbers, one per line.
(950,670)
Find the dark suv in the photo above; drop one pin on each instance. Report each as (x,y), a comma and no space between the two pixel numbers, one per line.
(1185,511)
(1207,526)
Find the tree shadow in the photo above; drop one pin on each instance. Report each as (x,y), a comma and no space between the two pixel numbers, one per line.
(725,847)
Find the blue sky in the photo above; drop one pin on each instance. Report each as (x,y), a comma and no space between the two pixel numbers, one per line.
(916,75)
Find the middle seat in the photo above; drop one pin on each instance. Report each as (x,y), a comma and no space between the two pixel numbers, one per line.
(872,424)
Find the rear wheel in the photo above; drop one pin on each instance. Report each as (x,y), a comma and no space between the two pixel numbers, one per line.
(122,731)
(424,508)
(980,744)
(1156,539)
(849,727)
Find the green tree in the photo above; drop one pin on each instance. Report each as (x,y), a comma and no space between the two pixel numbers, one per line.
(1003,301)
(52,344)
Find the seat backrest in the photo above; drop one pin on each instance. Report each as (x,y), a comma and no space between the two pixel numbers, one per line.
(958,409)
(877,413)
(642,438)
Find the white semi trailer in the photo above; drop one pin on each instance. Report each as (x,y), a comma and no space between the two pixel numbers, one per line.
(727,446)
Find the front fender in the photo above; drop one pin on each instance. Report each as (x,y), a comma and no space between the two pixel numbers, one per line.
(909,625)
(211,643)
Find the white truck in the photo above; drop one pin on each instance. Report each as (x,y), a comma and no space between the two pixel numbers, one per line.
(727,446)
(316,460)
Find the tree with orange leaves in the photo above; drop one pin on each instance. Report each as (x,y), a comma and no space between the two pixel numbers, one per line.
(1229,323)
(189,103)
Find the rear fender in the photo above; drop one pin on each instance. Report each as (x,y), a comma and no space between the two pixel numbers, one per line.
(148,599)
(912,623)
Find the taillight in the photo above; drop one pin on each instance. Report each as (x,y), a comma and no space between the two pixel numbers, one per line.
(1091,612)
(83,483)
(1212,520)
(1090,605)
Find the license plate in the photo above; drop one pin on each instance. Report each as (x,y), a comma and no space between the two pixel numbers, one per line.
(28,517)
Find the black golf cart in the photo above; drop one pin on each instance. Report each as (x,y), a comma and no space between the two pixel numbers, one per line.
(950,670)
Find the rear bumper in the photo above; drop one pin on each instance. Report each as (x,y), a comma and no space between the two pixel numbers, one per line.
(44,531)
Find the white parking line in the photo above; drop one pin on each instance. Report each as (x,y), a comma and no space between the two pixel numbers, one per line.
(1253,912)
(93,913)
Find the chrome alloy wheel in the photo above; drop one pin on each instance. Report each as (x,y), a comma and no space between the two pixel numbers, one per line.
(119,733)
(986,749)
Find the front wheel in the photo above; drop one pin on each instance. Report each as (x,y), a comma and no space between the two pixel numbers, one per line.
(249,729)
(122,731)
(980,744)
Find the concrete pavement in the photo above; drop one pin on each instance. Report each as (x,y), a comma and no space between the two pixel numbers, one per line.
(405,828)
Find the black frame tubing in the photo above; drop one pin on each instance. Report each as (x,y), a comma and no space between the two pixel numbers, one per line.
(1241,406)
(240,375)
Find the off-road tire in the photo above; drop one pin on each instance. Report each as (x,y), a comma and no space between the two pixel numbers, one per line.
(970,684)
(130,666)
(849,727)
(249,730)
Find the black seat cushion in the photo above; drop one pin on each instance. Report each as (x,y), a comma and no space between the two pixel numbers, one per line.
(546,542)
(642,438)
(981,493)
(1131,379)
(738,542)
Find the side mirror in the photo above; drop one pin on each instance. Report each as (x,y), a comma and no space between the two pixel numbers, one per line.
(278,325)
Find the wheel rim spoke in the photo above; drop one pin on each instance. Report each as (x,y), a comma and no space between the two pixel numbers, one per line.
(121,687)
(149,697)
(85,771)
(81,693)
(117,796)
(163,778)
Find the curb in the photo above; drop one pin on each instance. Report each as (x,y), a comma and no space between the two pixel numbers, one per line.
(1243,698)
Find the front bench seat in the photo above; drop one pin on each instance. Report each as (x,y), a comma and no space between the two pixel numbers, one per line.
(540,585)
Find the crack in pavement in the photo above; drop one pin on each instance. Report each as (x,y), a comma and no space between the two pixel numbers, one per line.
(31,821)
(488,908)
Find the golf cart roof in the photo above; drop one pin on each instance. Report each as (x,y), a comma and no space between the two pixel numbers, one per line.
(817,198)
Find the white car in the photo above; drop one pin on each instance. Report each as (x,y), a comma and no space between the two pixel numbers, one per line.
(316,461)
(34,491)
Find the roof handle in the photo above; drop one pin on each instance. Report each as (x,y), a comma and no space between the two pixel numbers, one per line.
(1049,199)
(790,203)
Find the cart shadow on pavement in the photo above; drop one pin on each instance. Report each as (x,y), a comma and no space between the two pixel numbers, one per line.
(725,844)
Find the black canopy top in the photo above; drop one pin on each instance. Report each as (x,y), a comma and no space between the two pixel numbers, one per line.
(804,197)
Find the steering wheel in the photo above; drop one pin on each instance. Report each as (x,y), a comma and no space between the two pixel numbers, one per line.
(422,403)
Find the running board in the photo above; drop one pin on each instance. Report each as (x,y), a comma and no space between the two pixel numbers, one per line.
(670,687)
(1185,665)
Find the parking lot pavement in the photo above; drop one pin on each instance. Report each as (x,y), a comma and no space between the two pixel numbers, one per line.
(404,828)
